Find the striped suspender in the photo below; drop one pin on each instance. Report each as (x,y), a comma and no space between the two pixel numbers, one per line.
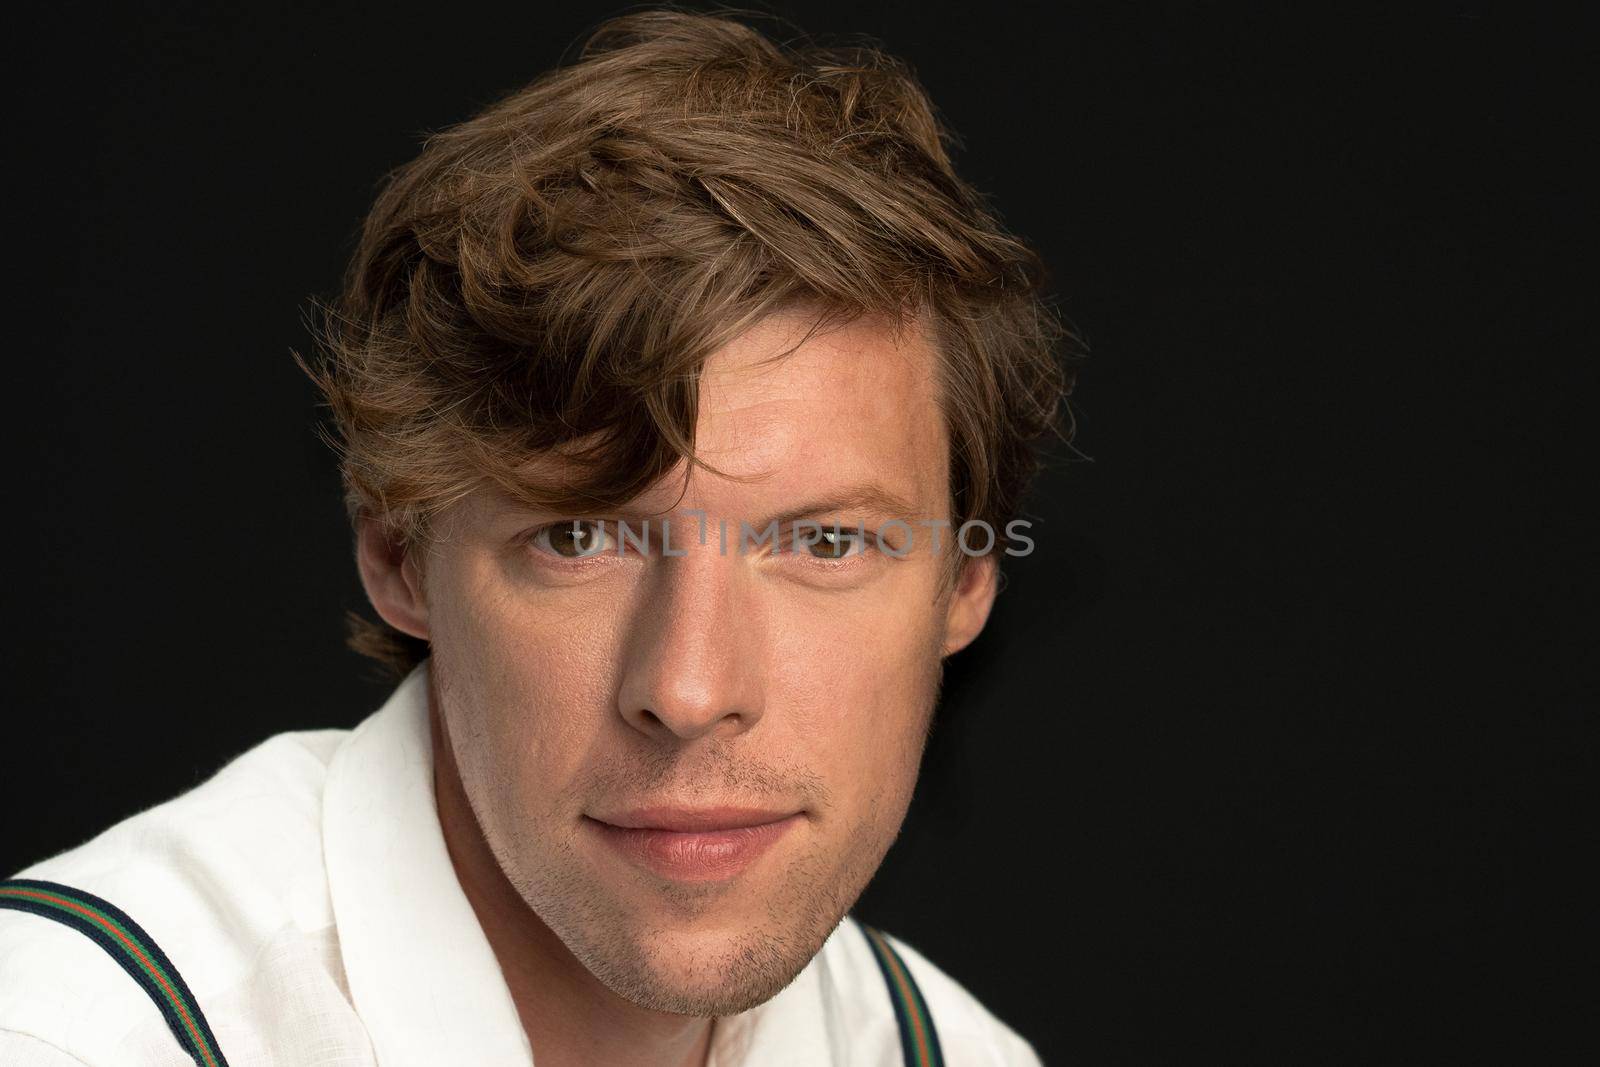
(131,947)
(919,1042)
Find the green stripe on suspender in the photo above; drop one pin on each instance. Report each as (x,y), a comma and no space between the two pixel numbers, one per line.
(919,1042)
(133,949)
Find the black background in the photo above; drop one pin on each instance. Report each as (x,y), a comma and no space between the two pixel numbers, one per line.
(1274,749)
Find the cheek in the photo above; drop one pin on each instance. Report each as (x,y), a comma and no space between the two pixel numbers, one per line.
(526,687)
(861,688)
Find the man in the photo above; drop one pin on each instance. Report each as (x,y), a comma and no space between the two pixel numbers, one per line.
(655,386)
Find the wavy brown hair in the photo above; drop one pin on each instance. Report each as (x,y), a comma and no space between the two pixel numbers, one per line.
(552,273)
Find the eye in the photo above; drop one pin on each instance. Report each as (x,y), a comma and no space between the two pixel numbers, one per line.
(837,544)
(572,538)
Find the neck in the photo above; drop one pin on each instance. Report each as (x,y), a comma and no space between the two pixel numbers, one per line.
(570,1017)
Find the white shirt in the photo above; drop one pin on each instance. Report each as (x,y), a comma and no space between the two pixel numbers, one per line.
(305,895)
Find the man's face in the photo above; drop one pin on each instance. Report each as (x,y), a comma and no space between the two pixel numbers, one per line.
(690,766)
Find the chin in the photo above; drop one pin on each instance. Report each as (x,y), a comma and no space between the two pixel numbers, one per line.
(699,968)
(703,974)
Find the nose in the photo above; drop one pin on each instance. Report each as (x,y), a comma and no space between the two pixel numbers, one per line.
(693,665)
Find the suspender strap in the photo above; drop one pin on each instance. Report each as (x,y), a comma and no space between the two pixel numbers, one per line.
(919,1042)
(131,947)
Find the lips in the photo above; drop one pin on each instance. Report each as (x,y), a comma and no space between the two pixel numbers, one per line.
(693,845)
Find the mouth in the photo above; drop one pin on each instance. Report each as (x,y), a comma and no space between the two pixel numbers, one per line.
(693,845)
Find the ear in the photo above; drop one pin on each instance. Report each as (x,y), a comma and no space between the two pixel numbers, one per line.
(392,578)
(970,602)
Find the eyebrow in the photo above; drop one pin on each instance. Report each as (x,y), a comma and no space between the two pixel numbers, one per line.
(868,497)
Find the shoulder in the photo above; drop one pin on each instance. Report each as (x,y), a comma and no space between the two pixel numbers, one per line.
(213,877)
(969,1034)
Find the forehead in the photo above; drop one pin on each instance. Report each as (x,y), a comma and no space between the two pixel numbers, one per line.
(789,416)
(855,404)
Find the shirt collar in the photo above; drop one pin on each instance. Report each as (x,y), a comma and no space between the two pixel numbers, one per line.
(422,975)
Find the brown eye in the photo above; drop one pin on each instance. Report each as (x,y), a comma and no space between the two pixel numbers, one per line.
(574,539)
(838,544)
